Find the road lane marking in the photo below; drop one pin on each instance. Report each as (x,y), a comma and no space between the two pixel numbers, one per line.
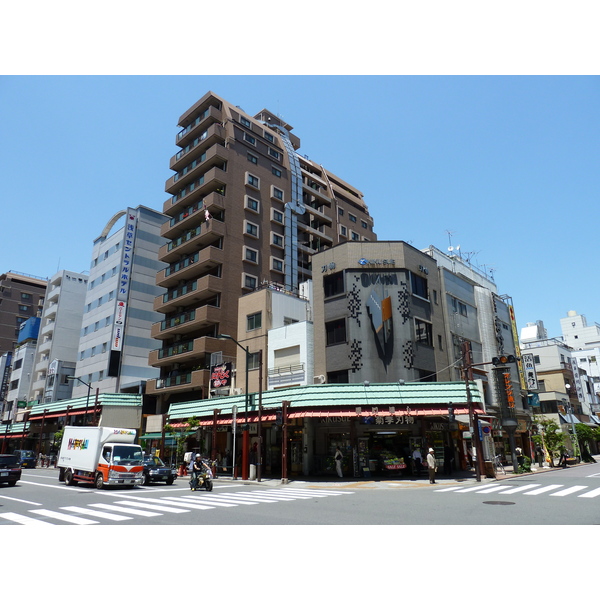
(95,513)
(162,504)
(24,501)
(251,496)
(218,498)
(542,490)
(571,490)
(450,489)
(152,506)
(521,488)
(23,520)
(123,509)
(494,488)
(591,494)
(476,488)
(59,516)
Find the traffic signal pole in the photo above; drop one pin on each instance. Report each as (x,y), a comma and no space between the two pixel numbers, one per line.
(473,417)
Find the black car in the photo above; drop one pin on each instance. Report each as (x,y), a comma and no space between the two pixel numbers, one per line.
(10,469)
(27,458)
(156,470)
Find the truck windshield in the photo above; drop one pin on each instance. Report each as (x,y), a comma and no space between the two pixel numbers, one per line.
(127,455)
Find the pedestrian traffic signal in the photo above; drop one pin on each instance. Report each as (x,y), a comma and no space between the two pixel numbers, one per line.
(503,360)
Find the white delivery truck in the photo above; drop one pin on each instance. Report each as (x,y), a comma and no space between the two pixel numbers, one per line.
(104,456)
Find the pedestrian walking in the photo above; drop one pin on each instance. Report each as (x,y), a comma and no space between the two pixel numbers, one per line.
(431,465)
(338,456)
(417,460)
(520,457)
(540,455)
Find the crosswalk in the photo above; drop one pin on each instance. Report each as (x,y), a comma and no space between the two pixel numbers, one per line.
(128,509)
(532,489)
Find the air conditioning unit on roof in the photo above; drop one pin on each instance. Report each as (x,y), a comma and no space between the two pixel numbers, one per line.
(319,379)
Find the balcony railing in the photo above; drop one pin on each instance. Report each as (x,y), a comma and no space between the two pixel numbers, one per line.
(178,320)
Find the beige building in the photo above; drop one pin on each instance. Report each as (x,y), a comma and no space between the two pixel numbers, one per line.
(245,211)
(378,315)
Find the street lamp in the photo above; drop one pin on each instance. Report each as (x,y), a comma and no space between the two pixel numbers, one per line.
(89,387)
(246,433)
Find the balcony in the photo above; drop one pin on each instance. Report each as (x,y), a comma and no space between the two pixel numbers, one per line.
(191,293)
(314,232)
(189,133)
(192,267)
(216,156)
(186,322)
(205,235)
(211,230)
(213,135)
(194,380)
(190,350)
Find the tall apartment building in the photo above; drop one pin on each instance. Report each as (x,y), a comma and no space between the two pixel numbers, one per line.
(56,352)
(245,210)
(118,309)
(21,297)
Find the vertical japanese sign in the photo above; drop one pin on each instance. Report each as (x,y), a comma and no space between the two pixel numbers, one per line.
(530,373)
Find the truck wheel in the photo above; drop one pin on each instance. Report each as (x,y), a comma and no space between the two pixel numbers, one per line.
(99,481)
(69,478)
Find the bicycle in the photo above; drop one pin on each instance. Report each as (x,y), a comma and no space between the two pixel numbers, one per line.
(498,466)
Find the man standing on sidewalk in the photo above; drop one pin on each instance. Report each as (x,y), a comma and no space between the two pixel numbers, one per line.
(431,465)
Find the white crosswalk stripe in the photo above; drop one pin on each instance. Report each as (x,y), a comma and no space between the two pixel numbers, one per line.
(126,510)
(531,489)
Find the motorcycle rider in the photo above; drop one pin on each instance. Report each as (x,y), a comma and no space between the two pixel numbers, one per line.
(197,468)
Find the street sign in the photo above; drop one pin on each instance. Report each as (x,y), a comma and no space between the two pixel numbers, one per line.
(530,374)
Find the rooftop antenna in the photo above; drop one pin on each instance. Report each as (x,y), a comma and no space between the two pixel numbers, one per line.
(450,246)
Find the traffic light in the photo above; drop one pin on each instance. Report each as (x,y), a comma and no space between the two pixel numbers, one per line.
(450,413)
(503,360)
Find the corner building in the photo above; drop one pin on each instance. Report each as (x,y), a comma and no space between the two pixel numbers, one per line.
(245,210)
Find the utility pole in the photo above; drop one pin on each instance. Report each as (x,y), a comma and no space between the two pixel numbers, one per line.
(473,418)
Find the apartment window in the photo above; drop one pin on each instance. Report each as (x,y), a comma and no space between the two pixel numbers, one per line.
(423,333)
(536,359)
(252,180)
(341,212)
(104,347)
(18,364)
(276,215)
(253,361)
(352,217)
(274,153)
(252,204)
(254,321)
(251,255)
(355,236)
(364,225)
(268,136)
(250,282)
(333,284)
(277,194)
(440,342)
(419,285)
(289,320)
(251,229)
(335,332)
(276,171)
(250,139)
(338,377)
(343,230)
(277,265)
(23,308)
(277,240)
(25,297)
(253,159)
(244,121)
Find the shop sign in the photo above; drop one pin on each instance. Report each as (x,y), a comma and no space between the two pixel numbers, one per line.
(334,420)
(438,426)
(391,420)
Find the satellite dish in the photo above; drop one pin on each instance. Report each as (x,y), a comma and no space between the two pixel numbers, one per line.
(450,248)
(458,247)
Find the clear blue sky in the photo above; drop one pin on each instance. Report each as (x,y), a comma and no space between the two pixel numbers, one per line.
(507,165)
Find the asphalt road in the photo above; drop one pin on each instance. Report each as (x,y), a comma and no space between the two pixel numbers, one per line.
(564,497)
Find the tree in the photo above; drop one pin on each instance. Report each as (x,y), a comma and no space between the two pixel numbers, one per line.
(550,438)
(183,434)
(585,435)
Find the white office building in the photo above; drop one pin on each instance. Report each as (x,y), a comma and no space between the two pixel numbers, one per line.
(118,311)
(58,341)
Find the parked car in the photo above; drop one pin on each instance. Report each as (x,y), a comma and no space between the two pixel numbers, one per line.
(10,469)
(27,458)
(156,470)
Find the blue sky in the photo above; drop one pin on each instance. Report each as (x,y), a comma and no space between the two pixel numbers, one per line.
(506,167)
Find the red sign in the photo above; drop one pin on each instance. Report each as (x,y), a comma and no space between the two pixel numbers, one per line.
(220,376)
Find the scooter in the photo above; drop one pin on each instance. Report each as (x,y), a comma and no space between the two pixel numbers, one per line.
(202,480)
